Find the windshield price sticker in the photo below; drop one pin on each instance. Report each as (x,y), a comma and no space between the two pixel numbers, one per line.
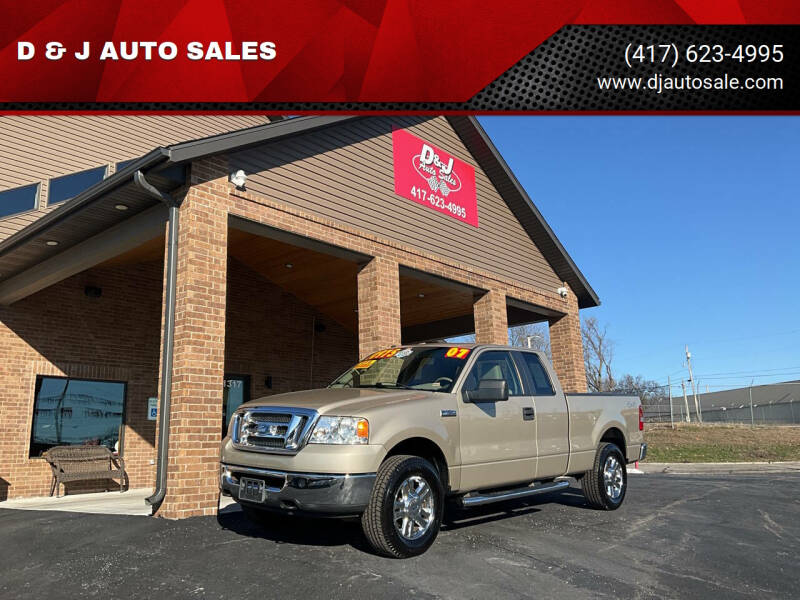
(364,364)
(434,178)
(384,354)
(457,353)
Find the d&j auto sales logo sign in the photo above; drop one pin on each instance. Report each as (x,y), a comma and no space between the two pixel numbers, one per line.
(434,178)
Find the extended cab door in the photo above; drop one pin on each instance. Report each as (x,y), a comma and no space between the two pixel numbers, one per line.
(498,439)
(552,416)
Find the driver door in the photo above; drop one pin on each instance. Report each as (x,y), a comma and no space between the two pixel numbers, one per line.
(498,439)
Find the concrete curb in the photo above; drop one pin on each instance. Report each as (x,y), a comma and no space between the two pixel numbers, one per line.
(718,468)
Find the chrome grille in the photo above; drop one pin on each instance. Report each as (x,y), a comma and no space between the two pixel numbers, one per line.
(272,429)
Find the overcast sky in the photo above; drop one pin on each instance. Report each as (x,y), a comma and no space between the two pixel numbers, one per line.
(688,228)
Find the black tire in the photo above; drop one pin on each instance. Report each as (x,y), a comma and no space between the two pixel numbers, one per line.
(595,490)
(378,519)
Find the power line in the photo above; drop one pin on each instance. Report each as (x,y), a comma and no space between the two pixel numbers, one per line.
(778,372)
(718,341)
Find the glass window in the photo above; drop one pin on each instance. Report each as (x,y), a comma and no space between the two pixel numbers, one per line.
(235,391)
(124,163)
(73,412)
(430,368)
(539,375)
(69,186)
(18,200)
(494,364)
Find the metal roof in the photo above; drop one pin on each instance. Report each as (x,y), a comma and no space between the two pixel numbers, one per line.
(92,211)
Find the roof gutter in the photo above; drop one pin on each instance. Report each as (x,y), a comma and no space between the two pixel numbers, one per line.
(170,286)
(83,199)
(590,298)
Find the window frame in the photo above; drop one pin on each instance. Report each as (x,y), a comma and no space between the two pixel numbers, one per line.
(468,371)
(246,394)
(121,164)
(530,380)
(36,198)
(50,181)
(123,422)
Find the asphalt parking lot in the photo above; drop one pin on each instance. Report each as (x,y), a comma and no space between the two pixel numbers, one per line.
(675,537)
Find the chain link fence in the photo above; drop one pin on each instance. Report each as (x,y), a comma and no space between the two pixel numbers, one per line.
(777,404)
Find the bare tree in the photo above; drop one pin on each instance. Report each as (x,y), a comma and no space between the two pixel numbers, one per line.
(651,392)
(532,335)
(598,353)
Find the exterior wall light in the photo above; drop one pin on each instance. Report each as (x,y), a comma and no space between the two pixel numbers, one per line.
(239,179)
(288,265)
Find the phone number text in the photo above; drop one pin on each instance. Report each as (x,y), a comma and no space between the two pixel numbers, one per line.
(671,54)
(438,202)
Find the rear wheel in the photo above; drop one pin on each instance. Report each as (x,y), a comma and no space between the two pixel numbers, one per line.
(405,509)
(604,486)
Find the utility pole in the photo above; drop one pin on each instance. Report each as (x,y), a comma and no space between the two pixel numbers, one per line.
(750,390)
(694,389)
(685,401)
(528,339)
(671,418)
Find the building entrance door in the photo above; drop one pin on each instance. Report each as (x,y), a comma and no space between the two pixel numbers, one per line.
(236,389)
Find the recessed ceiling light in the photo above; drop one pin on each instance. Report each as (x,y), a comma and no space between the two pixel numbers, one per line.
(421,295)
(288,265)
(355,310)
(121,206)
(51,243)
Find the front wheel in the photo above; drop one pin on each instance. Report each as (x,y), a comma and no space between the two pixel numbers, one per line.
(605,484)
(405,509)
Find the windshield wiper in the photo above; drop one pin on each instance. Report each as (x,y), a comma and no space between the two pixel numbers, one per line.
(381,384)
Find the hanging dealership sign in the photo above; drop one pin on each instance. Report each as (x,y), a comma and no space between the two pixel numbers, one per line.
(434,178)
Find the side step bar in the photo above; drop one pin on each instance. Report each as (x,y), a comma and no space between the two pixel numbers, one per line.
(467,501)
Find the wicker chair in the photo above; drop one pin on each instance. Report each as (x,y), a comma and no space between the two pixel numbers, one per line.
(83,463)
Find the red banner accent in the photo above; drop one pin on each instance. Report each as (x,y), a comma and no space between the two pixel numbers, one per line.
(434,178)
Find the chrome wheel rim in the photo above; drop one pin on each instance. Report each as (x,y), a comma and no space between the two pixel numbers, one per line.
(613,479)
(413,508)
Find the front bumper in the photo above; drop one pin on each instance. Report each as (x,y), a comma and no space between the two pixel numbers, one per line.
(311,493)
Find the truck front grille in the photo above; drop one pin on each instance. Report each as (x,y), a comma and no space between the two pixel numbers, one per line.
(272,429)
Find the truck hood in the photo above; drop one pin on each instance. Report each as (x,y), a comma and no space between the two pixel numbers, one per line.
(344,402)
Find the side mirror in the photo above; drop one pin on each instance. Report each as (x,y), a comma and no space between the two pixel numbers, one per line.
(489,390)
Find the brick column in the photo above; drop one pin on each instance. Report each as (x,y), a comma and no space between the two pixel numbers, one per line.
(491,318)
(378,306)
(199,352)
(566,346)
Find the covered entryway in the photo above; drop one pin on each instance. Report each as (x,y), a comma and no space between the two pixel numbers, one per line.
(291,309)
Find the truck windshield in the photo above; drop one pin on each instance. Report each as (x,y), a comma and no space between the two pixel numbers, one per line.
(433,369)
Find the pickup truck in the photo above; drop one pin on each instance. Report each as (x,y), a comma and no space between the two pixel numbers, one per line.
(409,429)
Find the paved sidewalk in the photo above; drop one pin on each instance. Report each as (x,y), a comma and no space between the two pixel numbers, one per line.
(129,503)
(719,468)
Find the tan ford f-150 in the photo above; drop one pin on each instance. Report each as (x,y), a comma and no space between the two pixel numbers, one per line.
(409,428)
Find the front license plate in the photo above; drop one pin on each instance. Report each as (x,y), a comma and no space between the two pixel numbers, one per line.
(251,490)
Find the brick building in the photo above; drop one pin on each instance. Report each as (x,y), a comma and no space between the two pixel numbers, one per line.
(167,279)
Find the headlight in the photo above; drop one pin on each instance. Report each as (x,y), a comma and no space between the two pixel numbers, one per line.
(340,430)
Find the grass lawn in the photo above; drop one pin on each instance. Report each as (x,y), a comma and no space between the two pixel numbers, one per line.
(721,443)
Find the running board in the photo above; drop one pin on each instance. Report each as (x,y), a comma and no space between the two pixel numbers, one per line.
(467,501)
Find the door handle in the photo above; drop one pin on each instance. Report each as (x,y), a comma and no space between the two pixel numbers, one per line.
(528,413)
